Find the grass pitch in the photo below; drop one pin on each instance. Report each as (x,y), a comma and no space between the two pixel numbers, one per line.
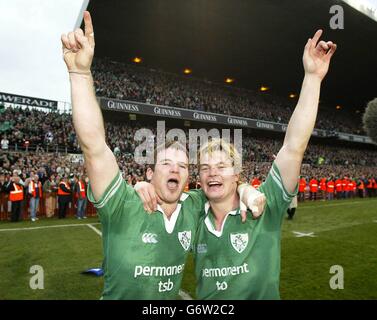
(322,234)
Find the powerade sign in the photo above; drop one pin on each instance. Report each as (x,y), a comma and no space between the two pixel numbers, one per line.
(194,115)
(28,101)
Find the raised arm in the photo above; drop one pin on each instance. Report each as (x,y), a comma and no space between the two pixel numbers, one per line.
(78,51)
(316,60)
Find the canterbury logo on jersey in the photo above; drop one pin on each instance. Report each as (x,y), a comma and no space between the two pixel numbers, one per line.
(149,238)
(184,238)
(239,241)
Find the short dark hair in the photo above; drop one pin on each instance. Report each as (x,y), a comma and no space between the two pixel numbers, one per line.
(170,144)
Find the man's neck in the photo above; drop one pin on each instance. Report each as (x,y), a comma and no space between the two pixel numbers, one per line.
(221,208)
(169,208)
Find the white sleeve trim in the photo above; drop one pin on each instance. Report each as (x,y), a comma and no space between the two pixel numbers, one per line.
(287,197)
(111,192)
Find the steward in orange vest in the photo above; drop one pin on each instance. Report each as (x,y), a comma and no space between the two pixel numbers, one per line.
(345,187)
(64,197)
(351,193)
(16,196)
(322,187)
(313,185)
(301,189)
(338,188)
(330,188)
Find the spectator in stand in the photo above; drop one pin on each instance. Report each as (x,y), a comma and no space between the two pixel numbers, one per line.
(4,143)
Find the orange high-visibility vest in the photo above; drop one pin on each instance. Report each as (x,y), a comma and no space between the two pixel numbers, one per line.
(82,189)
(339,185)
(313,185)
(370,184)
(361,186)
(17,194)
(61,192)
(322,184)
(32,189)
(302,185)
(345,184)
(330,186)
(255,183)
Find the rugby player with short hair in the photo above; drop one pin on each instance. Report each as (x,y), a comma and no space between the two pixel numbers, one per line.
(144,255)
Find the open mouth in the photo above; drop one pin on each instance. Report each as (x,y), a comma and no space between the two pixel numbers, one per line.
(214,185)
(173,184)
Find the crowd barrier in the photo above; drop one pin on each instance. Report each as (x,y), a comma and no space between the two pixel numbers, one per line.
(5,208)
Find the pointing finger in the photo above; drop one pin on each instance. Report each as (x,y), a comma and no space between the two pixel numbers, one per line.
(89,31)
(316,37)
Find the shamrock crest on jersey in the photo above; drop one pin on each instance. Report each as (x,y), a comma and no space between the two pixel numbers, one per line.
(184,238)
(239,241)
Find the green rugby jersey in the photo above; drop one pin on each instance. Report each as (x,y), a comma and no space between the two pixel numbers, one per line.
(144,254)
(242,261)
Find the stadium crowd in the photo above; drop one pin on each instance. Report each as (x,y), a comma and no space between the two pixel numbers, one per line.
(127,82)
(40,154)
(327,172)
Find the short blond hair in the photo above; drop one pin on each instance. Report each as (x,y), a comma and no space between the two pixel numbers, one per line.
(217,144)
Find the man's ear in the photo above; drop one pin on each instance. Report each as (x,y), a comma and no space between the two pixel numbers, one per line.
(149,174)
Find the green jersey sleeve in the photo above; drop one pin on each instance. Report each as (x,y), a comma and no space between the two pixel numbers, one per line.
(112,199)
(278,198)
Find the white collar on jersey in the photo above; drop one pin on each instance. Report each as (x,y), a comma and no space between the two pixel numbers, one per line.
(169,224)
(209,223)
